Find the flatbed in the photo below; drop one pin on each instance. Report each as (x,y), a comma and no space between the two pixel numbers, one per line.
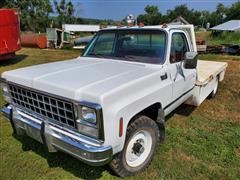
(207,70)
(209,73)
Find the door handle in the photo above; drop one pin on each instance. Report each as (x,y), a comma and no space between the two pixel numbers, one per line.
(163,77)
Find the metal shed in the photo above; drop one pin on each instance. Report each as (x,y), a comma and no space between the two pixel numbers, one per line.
(233,25)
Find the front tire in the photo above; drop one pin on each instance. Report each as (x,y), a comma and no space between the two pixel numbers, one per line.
(142,138)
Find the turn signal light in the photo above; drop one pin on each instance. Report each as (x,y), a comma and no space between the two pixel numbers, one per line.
(121,127)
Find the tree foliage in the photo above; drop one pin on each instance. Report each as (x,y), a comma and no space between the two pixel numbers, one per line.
(233,12)
(33,13)
(65,11)
(6,4)
(192,15)
(151,17)
(222,14)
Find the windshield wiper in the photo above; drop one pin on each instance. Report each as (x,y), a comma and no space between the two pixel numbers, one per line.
(130,57)
(96,55)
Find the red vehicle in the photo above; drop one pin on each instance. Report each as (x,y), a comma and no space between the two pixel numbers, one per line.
(9,33)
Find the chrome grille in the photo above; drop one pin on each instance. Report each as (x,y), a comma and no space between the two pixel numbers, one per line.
(52,108)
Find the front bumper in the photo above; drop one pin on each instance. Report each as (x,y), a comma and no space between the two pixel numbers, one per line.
(58,139)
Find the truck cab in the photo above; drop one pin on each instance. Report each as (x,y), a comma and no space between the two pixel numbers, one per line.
(109,105)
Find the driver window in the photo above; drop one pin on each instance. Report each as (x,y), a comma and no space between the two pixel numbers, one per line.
(179,47)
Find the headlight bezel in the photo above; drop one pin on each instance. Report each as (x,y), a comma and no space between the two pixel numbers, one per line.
(94,130)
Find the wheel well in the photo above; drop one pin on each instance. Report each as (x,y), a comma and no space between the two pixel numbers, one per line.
(151,112)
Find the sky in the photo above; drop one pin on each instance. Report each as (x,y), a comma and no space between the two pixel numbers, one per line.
(118,9)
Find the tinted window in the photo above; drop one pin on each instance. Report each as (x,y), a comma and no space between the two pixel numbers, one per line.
(142,46)
(179,47)
(130,45)
(103,44)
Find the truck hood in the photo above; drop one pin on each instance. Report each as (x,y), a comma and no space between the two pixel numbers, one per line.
(79,78)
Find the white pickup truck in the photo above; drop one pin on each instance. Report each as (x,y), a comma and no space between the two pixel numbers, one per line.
(109,105)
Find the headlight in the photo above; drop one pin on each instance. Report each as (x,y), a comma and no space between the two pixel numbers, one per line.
(88,115)
(6,93)
(89,121)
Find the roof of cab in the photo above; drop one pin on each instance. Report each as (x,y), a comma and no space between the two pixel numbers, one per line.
(135,27)
(160,27)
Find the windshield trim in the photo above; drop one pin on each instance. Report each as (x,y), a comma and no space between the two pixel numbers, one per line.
(132,30)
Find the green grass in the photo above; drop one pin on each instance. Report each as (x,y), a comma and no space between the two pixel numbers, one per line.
(218,57)
(201,143)
(223,38)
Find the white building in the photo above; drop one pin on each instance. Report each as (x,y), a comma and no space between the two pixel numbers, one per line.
(80,28)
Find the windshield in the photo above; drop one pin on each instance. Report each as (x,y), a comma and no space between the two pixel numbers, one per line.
(147,46)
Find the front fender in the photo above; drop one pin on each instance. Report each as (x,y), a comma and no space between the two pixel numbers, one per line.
(125,103)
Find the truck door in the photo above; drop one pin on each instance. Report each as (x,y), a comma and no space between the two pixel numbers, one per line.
(183,79)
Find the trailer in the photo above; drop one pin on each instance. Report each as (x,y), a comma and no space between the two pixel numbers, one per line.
(9,33)
(57,37)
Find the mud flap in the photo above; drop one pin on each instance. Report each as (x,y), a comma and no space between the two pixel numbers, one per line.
(161,124)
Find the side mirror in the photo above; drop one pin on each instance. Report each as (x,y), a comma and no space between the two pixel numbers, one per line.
(190,60)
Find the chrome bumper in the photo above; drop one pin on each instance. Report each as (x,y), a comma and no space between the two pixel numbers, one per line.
(56,139)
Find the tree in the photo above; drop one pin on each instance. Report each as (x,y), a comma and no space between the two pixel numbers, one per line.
(192,16)
(65,12)
(223,14)
(34,13)
(151,10)
(151,17)
(181,10)
(205,18)
(233,12)
(6,3)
